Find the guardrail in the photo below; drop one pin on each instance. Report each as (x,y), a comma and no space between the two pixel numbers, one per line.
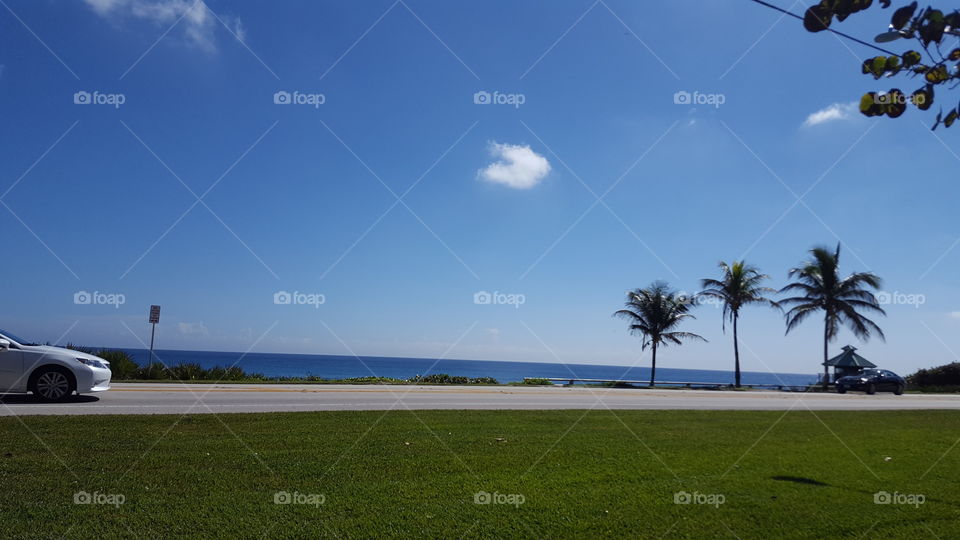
(687,384)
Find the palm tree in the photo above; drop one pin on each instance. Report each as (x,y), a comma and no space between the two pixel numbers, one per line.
(653,313)
(821,288)
(739,286)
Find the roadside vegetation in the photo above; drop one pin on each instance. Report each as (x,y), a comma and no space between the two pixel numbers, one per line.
(484,474)
(944,378)
(126,369)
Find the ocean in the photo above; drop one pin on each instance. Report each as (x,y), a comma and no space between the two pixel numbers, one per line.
(341,367)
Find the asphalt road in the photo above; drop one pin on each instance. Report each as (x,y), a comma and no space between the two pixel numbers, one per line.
(167,398)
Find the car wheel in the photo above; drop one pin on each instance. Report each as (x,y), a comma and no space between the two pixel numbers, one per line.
(871,389)
(841,389)
(898,390)
(52,384)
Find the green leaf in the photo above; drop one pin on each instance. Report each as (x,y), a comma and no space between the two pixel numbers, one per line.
(950,118)
(937,75)
(953,19)
(911,58)
(933,26)
(878,66)
(923,98)
(902,16)
(817,18)
(869,105)
(893,64)
(896,103)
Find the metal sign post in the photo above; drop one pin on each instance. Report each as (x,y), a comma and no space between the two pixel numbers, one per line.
(154,319)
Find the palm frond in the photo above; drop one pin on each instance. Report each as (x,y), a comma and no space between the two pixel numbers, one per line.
(819,287)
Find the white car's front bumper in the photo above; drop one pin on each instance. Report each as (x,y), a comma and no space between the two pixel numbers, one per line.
(93,379)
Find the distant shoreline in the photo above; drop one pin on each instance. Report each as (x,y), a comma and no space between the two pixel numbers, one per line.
(340,367)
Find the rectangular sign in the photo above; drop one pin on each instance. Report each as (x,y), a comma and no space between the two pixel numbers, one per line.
(154,314)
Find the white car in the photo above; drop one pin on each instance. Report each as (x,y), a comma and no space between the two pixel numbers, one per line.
(50,373)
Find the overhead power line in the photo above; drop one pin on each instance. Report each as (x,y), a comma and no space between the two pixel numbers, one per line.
(841,34)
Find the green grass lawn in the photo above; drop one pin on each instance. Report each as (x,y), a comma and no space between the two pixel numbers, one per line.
(577,473)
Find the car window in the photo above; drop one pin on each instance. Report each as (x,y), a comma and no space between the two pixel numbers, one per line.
(14,337)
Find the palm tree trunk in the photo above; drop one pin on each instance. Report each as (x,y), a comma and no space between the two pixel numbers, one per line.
(653,365)
(826,341)
(736,352)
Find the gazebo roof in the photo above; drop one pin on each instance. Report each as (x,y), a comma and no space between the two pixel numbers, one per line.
(849,358)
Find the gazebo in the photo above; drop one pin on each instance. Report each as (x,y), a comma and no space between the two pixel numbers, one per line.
(848,363)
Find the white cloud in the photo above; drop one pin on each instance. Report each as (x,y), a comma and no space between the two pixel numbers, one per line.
(955,314)
(239,30)
(103,7)
(193,329)
(197,22)
(517,166)
(837,111)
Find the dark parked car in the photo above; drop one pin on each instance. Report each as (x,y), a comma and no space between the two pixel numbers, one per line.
(872,381)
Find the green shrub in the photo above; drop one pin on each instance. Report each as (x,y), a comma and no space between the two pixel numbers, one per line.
(124,368)
(369,380)
(187,372)
(85,350)
(121,364)
(443,378)
(946,375)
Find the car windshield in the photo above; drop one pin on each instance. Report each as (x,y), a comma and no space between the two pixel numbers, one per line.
(16,338)
(870,372)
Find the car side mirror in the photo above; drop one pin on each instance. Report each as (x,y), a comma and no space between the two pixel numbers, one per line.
(4,344)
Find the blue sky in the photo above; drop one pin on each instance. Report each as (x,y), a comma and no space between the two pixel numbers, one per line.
(303,197)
